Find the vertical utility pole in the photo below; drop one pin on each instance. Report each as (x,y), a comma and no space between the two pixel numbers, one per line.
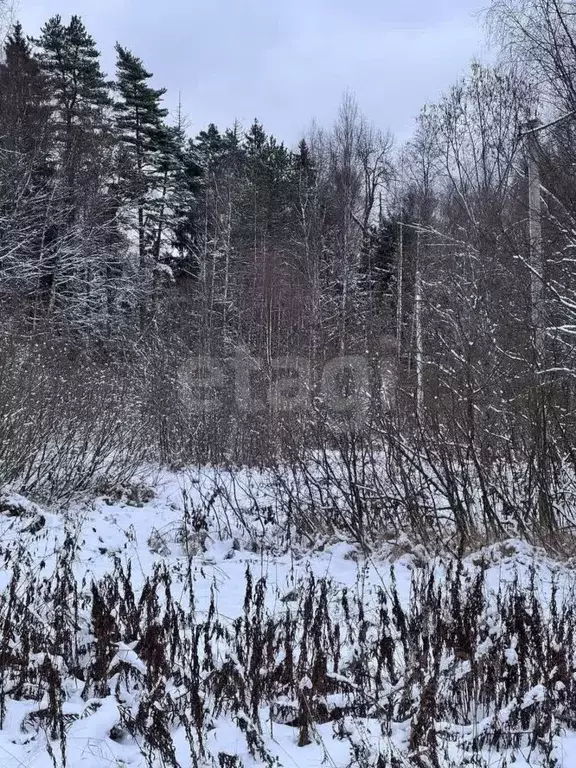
(419,342)
(399,278)
(545,509)
(535,234)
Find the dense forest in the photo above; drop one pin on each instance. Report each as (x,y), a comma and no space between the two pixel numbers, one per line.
(145,271)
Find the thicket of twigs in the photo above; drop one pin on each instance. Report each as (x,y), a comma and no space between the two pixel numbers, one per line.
(72,424)
(130,250)
(460,675)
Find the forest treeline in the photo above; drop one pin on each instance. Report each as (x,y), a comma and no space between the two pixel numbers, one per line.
(128,247)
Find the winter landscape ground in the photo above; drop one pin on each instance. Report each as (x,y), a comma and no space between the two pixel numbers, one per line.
(287,432)
(156,629)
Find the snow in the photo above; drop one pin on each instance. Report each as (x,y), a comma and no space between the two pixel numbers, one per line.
(148,534)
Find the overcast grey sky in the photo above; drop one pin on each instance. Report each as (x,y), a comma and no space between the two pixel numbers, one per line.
(286,62)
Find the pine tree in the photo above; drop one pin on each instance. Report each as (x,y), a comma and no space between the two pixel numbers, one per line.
(140,124)
(70,63)
(86,237)
(265,216)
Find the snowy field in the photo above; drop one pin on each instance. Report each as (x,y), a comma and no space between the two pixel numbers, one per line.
(160,629)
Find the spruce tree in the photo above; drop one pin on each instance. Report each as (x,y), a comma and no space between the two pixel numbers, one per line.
(172,217)
(183,192)
(23,97)
(26,188)
(17,51)
(210,146)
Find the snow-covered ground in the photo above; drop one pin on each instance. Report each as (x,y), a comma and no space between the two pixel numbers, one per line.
(181,534)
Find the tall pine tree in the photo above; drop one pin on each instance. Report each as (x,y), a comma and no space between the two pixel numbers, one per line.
(70,63)
(82,145)
(143,136)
